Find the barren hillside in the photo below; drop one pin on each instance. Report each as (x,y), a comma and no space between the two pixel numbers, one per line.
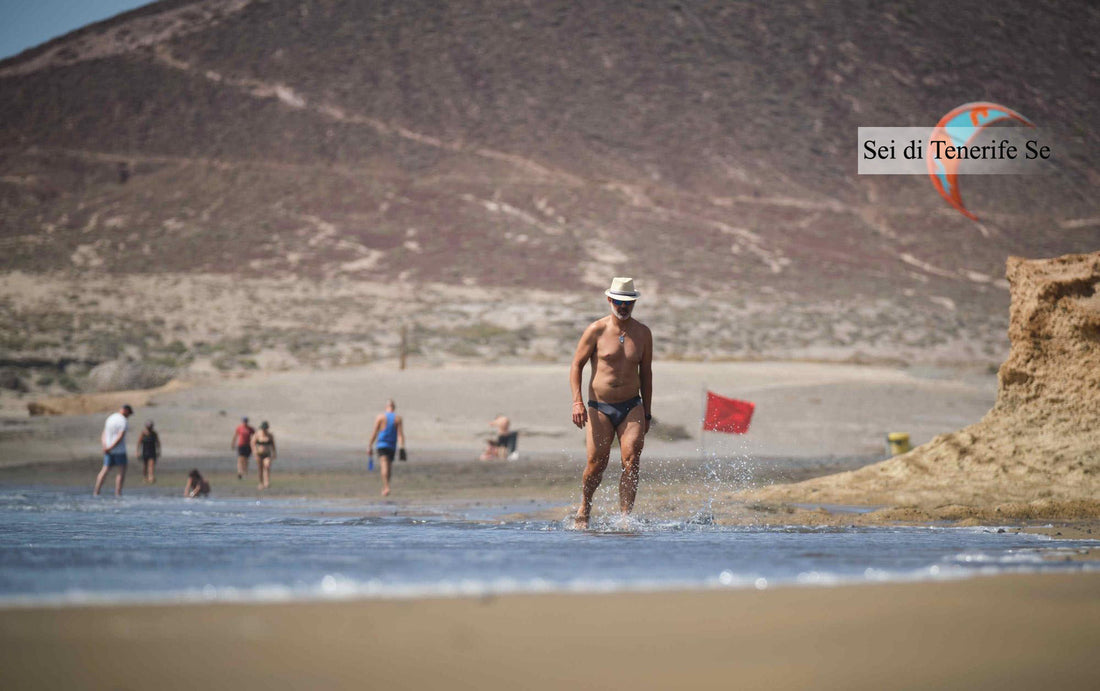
(706,148)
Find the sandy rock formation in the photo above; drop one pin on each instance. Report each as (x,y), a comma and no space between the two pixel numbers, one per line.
(1037,452)
(123,375)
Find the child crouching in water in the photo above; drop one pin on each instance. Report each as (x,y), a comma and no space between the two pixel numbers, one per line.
(196,485)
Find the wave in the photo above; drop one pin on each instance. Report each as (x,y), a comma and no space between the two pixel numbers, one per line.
(336,587)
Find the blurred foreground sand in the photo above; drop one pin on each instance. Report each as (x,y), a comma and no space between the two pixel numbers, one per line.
(1004,633)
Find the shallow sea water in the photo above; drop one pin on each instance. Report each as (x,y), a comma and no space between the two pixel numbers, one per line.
(61,546)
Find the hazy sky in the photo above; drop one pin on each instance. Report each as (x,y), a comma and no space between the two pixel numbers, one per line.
(26,23)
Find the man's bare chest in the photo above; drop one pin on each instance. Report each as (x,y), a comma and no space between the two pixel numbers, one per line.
(617,349)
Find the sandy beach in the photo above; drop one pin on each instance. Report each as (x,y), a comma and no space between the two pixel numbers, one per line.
(812,419)
(1010,632)
(1006,632)
(805,410)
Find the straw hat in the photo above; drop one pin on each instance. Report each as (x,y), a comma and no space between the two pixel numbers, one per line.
(622,288)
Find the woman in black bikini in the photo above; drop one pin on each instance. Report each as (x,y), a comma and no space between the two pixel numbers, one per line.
(263,445)
(149,451)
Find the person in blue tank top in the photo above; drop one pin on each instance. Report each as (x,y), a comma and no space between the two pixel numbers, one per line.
(389,432)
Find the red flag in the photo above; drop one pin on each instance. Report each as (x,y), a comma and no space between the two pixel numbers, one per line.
(727,414)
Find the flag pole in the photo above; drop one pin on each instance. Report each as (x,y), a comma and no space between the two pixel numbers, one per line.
(702,425)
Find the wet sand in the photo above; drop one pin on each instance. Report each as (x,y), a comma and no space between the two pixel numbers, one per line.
(1009,632)
(442,480)
(546,487)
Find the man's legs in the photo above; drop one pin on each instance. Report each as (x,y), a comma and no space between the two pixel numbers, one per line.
(631,439)
(387,463)
(100,478)
(242,465)
(119,479)
(598,446)
(490,451)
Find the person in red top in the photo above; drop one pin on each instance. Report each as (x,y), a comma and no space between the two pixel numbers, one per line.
(242,442)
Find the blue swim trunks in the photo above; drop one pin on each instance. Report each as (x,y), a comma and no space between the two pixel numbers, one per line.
(113,459)
(616,412)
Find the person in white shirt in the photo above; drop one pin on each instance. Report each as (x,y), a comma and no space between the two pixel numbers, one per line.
(114,448)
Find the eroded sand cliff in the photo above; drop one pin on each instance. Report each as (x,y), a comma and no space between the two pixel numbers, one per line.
(1037,452)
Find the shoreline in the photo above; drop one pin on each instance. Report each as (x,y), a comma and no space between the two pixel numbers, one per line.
(520,498)
(366,593)
(530,491)
(670,489)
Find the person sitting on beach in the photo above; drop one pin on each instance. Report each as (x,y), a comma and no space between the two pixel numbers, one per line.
(498,447)
(197,486)
(113,441)
(263,444)
(149,450)
(389,430)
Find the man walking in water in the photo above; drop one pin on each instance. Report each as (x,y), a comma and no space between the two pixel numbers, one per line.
(390,433)
(113,441)
(620,394)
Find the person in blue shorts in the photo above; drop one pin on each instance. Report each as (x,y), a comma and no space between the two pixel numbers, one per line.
(114,449)
(389,431)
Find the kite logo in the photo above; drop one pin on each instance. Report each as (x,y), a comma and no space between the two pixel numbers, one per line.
(953,132)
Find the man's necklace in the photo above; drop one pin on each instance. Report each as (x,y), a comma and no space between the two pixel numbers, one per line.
(622,336)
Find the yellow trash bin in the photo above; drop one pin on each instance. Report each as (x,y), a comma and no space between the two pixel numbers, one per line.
(897,443)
